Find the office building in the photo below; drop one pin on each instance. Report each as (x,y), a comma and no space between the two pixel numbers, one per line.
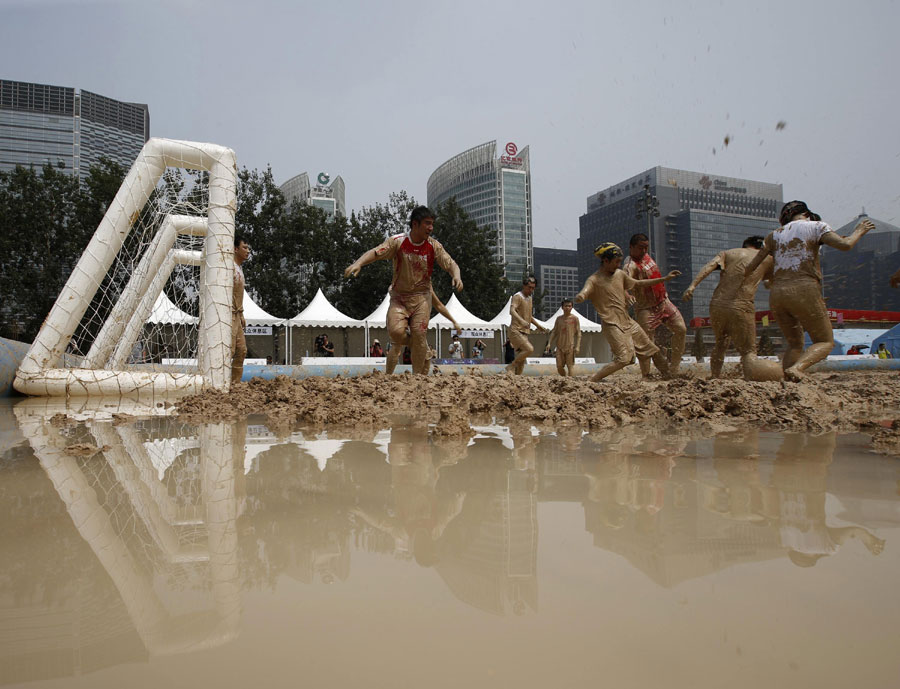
(699,216)
(327,194)
(556,271)
(858,279)
(495,191)
(67,127)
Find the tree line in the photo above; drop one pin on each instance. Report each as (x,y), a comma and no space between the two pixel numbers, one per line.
(47,218)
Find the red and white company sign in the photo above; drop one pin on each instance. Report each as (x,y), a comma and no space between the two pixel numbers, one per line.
(510,157)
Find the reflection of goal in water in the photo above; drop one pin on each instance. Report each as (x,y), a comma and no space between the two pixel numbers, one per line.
(165,237)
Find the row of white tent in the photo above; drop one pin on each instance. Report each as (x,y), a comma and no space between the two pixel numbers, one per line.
(321,314)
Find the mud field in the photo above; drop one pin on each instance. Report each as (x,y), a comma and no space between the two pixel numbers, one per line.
(837,401)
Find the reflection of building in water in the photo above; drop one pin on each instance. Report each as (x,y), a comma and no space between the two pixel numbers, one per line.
(108,594)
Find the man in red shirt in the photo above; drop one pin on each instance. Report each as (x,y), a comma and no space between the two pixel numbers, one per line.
(414,255)
(652,307)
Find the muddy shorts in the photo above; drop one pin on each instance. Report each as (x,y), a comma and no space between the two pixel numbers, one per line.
(798,306)
(566,358)
(650,319)
(737,324)
(519,341)
(625,342)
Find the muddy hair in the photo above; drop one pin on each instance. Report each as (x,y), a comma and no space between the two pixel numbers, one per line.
(792,208)
(754,242)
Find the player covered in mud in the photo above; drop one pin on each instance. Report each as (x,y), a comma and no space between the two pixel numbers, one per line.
(731,309)
(608,291)
(652,307)
(414,255)
(393,355)
(521,319)
(566,337)
(796,298)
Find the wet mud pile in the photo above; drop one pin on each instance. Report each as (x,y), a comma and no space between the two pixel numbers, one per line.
(841,401)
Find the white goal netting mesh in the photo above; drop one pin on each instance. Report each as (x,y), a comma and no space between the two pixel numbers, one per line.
(159,328)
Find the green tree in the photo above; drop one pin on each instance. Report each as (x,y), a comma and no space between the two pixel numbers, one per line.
(486,290)
(46,221)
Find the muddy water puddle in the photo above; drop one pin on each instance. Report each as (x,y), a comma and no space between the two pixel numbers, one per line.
(141,551)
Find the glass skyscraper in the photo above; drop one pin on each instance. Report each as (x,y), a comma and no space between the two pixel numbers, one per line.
(700,215)
(67,127)
(326,194)
(496,194)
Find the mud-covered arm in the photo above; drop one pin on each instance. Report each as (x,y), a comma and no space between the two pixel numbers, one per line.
(767,248)
(442,258)
(585,292)
(441,309)
(554,334)
(717,263)
(834,240)
(383,251)
(516,321)
(577,335)
(649,282)
(537,325)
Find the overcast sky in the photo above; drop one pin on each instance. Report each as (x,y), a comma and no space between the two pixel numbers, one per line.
(383,93)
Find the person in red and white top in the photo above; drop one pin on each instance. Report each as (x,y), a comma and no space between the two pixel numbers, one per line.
(414,255)
(652,307)
(796,294)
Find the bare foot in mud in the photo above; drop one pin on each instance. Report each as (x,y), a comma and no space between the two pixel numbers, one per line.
(793,374)
(872,542)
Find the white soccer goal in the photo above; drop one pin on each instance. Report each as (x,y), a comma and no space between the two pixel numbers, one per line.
(153,286)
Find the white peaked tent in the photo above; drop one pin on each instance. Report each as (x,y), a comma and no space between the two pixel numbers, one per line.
(254,315)
(587,325)
(377,319)
(165,312)
(321,314)
(466,319)
(504,319)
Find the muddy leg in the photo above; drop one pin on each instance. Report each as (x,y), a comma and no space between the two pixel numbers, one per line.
(607,370)
(679,331)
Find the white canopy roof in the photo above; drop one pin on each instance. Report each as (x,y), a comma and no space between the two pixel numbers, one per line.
(466,319)
(587,325)
(503,318)
(378,318)
(321,314)
(164,311)
(254,315)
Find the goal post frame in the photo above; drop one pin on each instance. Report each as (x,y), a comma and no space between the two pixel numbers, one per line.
(40,373)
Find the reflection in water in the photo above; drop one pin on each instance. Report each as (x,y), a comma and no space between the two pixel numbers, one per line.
(143,548)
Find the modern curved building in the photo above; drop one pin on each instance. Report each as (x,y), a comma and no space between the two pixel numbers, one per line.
(496,193)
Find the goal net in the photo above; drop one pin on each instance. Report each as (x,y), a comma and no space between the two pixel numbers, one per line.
(148,306)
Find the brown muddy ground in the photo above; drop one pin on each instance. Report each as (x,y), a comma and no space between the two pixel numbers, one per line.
(839,401)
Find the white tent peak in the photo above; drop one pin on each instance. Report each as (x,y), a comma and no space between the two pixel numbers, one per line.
(378,318)
(254,314)
(503,318)
(320,314)
(164,311)
(465,318)
(587,325)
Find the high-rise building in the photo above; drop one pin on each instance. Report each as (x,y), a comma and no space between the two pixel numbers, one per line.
(67,127)
(858,279)
(556,271)
(495,191)
(326,194)
(699,216)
